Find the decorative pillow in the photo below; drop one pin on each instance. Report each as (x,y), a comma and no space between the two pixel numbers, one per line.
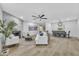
(41,34)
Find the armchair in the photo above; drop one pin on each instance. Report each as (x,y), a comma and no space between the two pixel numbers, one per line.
(41,39)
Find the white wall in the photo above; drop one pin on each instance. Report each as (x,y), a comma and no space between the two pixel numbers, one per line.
(72,27)
(77,30)
(0,12)
(49,28)
(54,26)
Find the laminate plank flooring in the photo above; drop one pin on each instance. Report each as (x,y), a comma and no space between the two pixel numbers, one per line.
(56,47)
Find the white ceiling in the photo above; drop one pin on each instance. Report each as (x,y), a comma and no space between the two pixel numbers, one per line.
(53,11)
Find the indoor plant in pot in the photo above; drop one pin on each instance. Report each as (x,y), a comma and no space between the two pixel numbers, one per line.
(5,29)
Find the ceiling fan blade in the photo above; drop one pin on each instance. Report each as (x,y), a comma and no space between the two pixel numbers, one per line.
(43,18)
(39,16)
(34,16)
(34,19)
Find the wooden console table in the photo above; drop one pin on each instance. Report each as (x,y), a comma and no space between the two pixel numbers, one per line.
(59,33)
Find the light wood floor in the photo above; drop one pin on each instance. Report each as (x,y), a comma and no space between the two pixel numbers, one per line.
(56,47)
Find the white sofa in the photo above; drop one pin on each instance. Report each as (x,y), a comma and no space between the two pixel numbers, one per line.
(9,41)
(41,39)
(12,40)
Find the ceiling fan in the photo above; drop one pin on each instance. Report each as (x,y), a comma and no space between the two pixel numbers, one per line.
(39,17)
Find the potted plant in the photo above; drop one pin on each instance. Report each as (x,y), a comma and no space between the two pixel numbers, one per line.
(6,29)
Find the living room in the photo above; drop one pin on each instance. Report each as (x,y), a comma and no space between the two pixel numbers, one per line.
(39,29)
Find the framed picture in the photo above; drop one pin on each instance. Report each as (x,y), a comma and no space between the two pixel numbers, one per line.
(32,28)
